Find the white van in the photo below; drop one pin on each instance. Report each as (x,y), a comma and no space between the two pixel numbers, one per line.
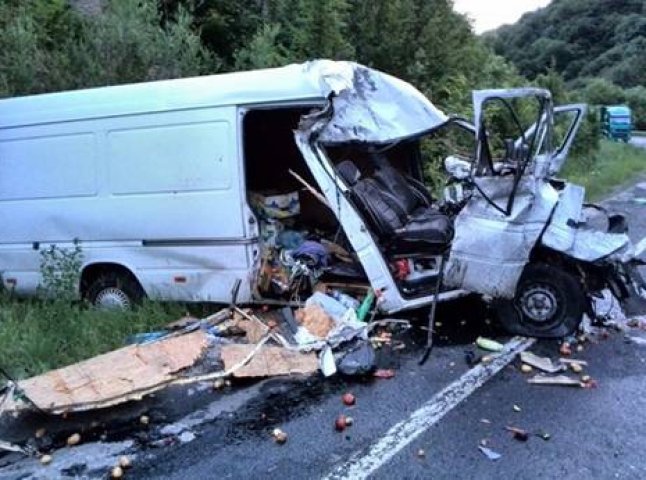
(171,189)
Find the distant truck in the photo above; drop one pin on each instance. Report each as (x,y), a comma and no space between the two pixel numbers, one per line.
(616,122)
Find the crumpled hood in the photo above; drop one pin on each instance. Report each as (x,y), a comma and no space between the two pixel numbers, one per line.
(367,105)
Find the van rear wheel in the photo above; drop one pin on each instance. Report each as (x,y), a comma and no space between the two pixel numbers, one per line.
(115,291)
(549,303)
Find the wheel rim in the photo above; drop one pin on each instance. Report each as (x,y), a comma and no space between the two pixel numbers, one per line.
(539,303)
(112,298)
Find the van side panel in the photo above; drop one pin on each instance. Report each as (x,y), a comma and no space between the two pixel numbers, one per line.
(159,193)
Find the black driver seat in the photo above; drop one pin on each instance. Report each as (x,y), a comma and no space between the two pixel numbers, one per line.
(403,228)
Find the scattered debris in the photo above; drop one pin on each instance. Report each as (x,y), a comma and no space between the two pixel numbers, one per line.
(638,340)
(526,368)
(116,472)
(487,359)
(542,363)
(348,399)
(46,459)
(269,361)
(486,421)
(218,384)
(341,423)
(518,433)
(490,454)
(124,461)
(73,439)
(516,408)
(569,361)
(314,319)
(586,378)
(186,436)
(565,349)
(40,433)
(144,419)
(562,380)
(488,344)
(543,435)
(349,421)
(280,437)
(421,453)
(384,373)
(470,357)
(357,359)
(576,367)
(590,383)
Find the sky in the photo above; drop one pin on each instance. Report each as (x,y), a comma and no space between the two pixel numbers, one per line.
(489,14)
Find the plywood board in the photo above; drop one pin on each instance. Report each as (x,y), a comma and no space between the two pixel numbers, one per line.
(115,377)
(268,362)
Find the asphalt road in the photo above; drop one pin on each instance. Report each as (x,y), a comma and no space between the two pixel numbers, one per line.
(639,141)
(594,433)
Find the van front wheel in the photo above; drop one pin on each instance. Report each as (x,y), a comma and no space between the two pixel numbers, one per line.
(115,291)
(549,303)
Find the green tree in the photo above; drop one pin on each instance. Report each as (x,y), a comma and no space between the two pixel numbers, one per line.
(636,99)
(599,91)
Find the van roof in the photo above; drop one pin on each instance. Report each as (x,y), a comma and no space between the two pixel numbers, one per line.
(289,83)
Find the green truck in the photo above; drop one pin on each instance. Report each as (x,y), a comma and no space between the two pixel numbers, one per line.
(616,122)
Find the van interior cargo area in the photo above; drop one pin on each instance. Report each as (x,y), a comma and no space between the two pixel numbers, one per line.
(303,247)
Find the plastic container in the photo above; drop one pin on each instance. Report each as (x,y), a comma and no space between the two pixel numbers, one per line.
(345,299)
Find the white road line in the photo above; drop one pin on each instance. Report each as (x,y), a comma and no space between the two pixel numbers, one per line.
(362,463)
(640,247)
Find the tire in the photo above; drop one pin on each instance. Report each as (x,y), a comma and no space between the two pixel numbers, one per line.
(549,303)
(112,291)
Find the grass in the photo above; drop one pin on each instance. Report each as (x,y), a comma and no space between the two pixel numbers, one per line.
(37,336)
(611,166)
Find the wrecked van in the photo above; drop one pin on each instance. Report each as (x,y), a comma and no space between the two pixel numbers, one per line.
(263,186)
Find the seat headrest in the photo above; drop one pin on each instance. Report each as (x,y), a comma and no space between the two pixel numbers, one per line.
(349,172)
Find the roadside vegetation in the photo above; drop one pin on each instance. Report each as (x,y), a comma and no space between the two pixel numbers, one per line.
(58,329)
(39,335)
(613,164)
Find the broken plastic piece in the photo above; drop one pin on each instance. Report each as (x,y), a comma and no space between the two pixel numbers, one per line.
(488,344)
(327,362)
(489,453)
(542,363)
(562,380)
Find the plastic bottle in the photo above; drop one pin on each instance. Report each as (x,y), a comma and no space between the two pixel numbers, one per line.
(363,310)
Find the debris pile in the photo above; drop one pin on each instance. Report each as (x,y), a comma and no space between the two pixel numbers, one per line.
(556,372)
(324,334)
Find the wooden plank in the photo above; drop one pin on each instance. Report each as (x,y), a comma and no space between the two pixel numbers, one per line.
(115,377)
(269,361)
